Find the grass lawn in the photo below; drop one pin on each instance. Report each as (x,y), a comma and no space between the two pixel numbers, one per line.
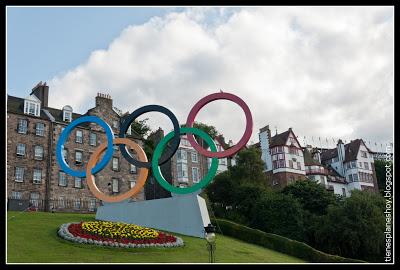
(32,237)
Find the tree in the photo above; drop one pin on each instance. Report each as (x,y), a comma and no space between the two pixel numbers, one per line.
(354,228)
(220,190)
(311,195)
(141,127)
(249,167)
(278,213)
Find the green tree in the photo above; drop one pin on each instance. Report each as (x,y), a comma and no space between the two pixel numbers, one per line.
(354,228)
(278,213)
(249,167)
(141,127)
(312,196)
(220,190)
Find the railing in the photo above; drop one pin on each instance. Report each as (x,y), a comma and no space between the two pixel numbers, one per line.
(67,205)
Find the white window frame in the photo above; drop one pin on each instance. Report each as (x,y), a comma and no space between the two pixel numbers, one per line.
(115,185)
(366,165)
(115,164)
(76,156)
(22,128)
(28,105)
(132,183)
(62,179)
(182,155)
(195,171)
(78,180)
(39,130)
(37,176)
(67,116)
(34,200)
(93,139)
(92,204)
(79,139)
(61,202)
(133,169)
(21,149)
(19,174)
(182,171)
(195,157)
(115,124)
(16,195)
(39,154)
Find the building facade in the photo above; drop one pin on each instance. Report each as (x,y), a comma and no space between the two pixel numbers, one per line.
(283,157)
(34,177)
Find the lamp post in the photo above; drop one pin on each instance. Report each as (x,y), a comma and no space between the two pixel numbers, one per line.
(210,238)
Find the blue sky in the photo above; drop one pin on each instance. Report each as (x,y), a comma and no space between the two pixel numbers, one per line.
(324,71)
(45,41)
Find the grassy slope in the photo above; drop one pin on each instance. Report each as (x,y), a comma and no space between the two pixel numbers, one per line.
(32,237)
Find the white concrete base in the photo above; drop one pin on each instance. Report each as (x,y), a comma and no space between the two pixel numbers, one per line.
(183,214)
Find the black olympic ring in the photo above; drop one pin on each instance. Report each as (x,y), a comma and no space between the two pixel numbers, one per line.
(128,120)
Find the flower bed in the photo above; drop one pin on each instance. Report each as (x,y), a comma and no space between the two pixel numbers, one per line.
(117,234)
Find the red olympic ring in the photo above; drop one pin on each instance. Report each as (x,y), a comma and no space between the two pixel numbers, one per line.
(208,99)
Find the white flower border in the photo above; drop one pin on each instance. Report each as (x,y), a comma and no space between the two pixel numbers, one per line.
(65,234)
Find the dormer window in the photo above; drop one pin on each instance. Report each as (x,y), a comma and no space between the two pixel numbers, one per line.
(67,113)
(32,105)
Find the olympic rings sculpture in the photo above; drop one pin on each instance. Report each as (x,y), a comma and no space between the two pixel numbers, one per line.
(159,158)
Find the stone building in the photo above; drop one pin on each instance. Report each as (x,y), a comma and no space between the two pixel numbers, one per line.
(34,176)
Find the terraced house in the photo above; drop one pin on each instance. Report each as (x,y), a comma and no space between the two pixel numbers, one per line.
(34,177)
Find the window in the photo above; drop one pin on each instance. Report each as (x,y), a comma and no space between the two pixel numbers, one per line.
(37,176)
(115,124)
(17,195)
(298,165)
(62,179)
(34,199)
(19,174)
(290,164)
(360,165)
(133,168)
(132,183)
(182,155)
(194,157)
(92,139)
(20,149)
(78,158)
(223,161)
(364,154)
(92,204)
(366,165)
(115,164)
(353,164)
(40,129)
(31,108)
(293,151)
(344,192)
(61,202)
(65,154)
(22,126)
(355,177)
(38,152)
(78,182)
(77,204)
(350,176)
(67,116)
(182,170)
(274,182)
(79,136)
(115,186)
(195,174)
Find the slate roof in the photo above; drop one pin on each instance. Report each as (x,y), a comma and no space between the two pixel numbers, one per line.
(16,105)
(351,150)
(280,139)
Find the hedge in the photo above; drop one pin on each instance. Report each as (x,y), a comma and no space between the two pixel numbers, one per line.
(278,243)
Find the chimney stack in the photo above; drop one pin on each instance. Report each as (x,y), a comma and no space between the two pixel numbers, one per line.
(104,100)
(41,91)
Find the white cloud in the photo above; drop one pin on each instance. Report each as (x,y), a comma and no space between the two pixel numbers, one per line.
(325,71)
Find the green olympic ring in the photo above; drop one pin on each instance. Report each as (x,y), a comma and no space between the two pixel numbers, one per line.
(160,148)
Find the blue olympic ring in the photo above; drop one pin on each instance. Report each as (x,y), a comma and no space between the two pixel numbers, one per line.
(63,137)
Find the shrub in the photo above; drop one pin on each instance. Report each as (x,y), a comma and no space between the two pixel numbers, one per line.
(278,243)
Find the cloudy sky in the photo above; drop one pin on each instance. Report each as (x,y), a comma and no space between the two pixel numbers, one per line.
(324,71)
